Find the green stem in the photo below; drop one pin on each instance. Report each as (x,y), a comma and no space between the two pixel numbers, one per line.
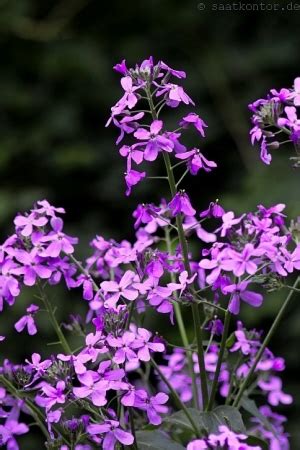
(182,331)
(34,411)
(219,362)
(176,398)
(198,313)
(54,322)
(131,419)
(264,344)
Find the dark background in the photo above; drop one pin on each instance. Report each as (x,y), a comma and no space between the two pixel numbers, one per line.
(57,87)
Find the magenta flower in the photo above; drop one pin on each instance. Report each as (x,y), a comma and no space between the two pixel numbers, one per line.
(38,365)
(130,99)
(175,73)
(154,406)
(51,395)
(113,433)
(159,298)
(240,263)
(33,266)
(9,290)
(214,210)
(93,387)
(295,95)
(274,388)
(174,94)
(28,321)
(239,292)
(59,241)
(197,444)
(181,204)
(264,155)
(144,347)
(9,430)
(124,346)
(132,178)
(184,281)
(196,121)
(228,222)
(113,290)
(233,440)
(27,223)
(196,161)
(131,153)
(155,140)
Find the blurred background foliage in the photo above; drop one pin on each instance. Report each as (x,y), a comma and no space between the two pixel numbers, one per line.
(57,87)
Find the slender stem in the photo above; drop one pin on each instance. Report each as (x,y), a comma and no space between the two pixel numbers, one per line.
(131,419)
(182,178)
(55,324)
(35,412)
(182,331)
(84,271)
(219,362)
(198,312)
(264,344)
(176,398)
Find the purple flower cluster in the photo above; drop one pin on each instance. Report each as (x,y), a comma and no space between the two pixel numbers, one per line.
(123,382)
(151,138)
(275,117)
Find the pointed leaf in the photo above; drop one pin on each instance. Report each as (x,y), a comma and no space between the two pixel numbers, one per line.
(250,406)
(156,440)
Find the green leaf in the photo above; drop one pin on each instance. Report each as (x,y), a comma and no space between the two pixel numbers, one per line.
(230,340)
(254,440)
(230,416)
(156,440)
(250,406)
(209,422)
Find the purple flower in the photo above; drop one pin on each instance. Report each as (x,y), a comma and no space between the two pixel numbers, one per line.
(8,432)
(130,99)
(32,266)
(132,178)
(121,67)
(214,210)
(175,73)
(38,365)
(264,155)
(174,94)
(233,440)
(196,121)
(143,346)
(124,348)
(239,292)
(197,444)
(154,406)
(181,204)
(51,395)
(240,263)
(26,223)
(275,395)
(295,95)
(196,161)
(228,222)
(113,290)
(93,387)
(155,140)
(113,433)
(59,241)
(28,321)
(184,281)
